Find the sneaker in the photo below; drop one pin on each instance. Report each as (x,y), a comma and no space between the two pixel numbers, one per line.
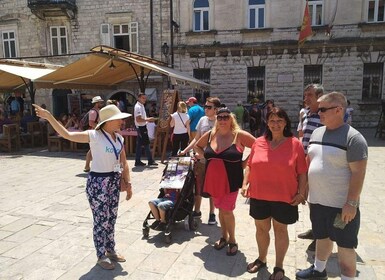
(161,227)
(311,246)
(115,256)
(153,163)
(140,163)
(155,224)
(312,274)
(212,220)
(306,235)
(197,214)
(105,263)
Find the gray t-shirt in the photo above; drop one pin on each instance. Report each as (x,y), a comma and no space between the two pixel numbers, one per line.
(330,152)
(204,125)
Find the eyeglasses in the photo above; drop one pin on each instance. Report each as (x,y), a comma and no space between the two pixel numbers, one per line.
(323,109)
(208,107)
(280,122)
(223,118)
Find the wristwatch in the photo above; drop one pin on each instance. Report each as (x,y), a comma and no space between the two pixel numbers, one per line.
(353,203)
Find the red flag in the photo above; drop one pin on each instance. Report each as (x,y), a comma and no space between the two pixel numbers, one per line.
(306,31)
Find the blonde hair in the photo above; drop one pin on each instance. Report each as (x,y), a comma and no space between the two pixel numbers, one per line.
(182,107)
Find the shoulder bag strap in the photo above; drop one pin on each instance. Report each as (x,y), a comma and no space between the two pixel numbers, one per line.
(181,120)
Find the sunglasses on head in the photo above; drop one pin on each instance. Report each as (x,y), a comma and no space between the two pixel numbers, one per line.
(208,107)
(223,118)
(323,109)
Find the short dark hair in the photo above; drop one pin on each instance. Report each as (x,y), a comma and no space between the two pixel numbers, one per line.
(215,101)
(318,89)
(280,113)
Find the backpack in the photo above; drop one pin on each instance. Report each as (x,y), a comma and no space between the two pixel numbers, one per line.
(84,122)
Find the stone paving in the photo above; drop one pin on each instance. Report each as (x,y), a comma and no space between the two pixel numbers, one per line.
(46,227)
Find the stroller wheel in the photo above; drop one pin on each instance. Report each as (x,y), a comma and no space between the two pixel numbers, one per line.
(146,232)
(193,224)
(187,223)
(167,238)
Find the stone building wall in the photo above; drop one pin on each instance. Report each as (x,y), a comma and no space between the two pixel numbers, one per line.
(229,51)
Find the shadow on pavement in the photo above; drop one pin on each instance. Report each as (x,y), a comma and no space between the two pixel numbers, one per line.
(98,273)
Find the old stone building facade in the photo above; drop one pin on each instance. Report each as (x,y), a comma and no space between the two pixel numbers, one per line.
(60,31)
(245,49)
(249,48)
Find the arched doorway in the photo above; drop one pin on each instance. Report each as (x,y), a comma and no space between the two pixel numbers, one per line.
(126,100)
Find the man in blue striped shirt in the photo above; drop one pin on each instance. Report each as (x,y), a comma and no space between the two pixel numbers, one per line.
(310,122)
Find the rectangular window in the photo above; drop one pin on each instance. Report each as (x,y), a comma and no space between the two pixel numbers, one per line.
(201,19)
(372,81)
(9,44)
(255,83)
(256,16)
(59,41)
(315,11)
(312,74)
(125,36)
(202,74)
(376,10)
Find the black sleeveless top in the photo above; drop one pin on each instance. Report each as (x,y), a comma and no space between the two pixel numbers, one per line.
(232,159)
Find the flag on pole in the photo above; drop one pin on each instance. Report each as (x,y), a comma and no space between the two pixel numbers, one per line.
(306,31)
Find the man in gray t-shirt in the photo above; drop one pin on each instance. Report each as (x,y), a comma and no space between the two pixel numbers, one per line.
(338,155)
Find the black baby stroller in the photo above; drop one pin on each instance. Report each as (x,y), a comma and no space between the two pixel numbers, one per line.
(178,174)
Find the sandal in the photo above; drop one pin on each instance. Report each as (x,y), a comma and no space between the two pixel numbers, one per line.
(105,263)
(231,251)
(277,270)
(115,256)
(255,266)
(220,244)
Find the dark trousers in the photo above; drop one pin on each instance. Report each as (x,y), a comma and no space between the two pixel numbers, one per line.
(179,141)
(142,140)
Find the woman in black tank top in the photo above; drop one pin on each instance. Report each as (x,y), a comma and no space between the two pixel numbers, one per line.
(223,149)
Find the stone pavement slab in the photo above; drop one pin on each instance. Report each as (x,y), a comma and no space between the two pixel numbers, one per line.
(46,227)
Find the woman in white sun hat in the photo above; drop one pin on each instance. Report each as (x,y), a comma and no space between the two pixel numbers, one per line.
(109,175)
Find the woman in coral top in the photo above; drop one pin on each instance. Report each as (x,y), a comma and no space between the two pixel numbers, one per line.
(275,180)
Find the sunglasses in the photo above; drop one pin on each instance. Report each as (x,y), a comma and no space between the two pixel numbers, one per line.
(208,107)
(323,109)
(223,118)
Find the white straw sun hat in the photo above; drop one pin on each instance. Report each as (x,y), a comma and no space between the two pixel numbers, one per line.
(97,99)
(110,113)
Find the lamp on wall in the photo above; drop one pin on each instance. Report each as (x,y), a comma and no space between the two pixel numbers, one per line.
(165,49)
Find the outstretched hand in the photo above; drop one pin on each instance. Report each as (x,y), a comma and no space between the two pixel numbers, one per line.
(40,112)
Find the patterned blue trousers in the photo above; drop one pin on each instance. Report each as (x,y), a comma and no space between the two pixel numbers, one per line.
(103,195)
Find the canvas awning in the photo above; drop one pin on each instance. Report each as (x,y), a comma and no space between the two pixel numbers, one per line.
(15,74)
(106,67)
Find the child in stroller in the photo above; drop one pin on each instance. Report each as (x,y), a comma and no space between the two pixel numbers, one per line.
(159,207)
